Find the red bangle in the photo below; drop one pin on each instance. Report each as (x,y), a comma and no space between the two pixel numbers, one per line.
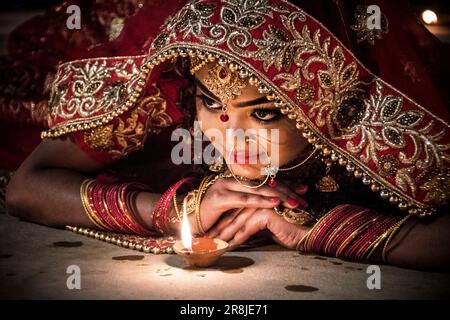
(160,219)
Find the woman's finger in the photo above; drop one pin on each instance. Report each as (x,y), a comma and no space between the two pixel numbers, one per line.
(217,202)
(289,198)
(255,223)
(228,231)
(294,198)
(301,189)
(222,223)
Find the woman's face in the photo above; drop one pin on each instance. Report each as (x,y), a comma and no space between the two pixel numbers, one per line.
(248,111)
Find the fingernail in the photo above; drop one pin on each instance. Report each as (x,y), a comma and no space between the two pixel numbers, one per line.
(303,203)
(301,188)
(292,202)
(275,199)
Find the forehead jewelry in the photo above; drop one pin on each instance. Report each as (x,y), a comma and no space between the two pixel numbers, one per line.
(224,84)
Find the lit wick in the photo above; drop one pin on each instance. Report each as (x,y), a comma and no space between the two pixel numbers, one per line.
(198,252)
(186,236)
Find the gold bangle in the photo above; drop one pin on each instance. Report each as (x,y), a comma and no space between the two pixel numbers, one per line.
(198,198)
(387,233)
(395,229)
(348,221)
(354,234)
(188,202)
(177,211)
(117,226)
(86,206)
(204,185)
(303,241)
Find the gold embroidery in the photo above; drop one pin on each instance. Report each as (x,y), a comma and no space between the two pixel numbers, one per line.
(124,84)
(305,93)
(385,126)
(129,134)
(388,165)
(92,91)
(99,138)
(437,185)
(159,118)
(237,18)
(338,82)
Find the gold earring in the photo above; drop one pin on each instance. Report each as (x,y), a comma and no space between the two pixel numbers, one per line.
(327,183)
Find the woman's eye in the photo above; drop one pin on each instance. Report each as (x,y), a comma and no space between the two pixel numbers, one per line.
(209,103)
(266,114)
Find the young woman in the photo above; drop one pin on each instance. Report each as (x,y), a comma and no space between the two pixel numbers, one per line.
(357,168)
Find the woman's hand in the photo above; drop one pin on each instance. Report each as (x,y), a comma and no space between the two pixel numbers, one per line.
(243,223)
(227,194)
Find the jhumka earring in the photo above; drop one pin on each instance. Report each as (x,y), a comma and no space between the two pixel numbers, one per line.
(327,183)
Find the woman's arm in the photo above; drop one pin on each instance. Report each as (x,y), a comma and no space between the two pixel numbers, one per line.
(421,245)
(46,187)
(46,190)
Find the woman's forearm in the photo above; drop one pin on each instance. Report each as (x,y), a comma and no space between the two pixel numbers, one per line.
(47,196)
(52,197)
(422,245)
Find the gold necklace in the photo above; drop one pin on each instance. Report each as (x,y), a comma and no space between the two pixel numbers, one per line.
(314,152)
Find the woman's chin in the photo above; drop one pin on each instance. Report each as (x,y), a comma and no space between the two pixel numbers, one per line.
(249,171)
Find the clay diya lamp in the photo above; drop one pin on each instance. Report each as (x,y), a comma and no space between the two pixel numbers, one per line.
(203,253)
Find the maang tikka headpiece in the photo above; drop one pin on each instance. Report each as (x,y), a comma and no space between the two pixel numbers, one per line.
(223,82)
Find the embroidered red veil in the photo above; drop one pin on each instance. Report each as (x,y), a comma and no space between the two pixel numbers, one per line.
(379,110)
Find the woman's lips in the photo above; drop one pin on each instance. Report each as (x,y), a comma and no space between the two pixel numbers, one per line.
(245,157)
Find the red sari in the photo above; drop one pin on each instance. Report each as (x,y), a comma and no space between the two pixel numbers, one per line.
(378,109)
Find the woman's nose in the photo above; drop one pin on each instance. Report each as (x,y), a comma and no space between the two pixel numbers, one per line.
(235,122)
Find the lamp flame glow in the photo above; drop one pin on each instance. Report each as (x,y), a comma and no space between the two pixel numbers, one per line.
(186,236)
(429,17)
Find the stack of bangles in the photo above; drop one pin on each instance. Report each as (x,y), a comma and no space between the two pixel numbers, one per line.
(351,232)
(193,200)
(110,206)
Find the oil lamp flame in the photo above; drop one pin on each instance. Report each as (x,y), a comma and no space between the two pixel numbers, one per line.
(186,235)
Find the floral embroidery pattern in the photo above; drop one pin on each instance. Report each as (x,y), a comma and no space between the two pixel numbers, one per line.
(237,18)
(129,132)
(85,89)
(385,126)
